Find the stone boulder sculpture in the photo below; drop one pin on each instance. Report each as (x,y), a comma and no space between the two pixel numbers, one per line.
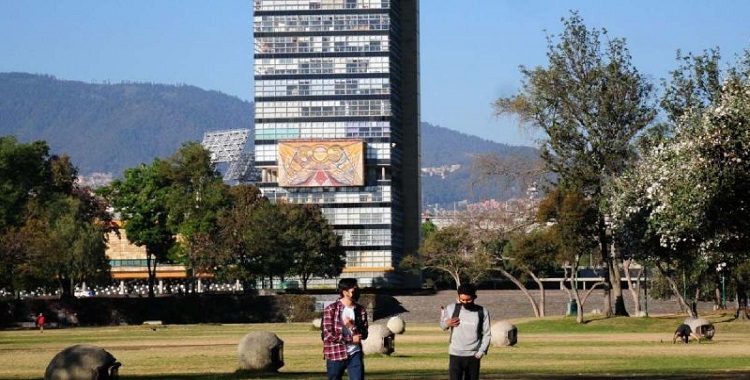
(317,323)
(396,324)
(83,362)
(261,351)
(379,341)
(701,327)
(504,334)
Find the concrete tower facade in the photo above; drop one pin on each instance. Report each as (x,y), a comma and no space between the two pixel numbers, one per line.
(337,122)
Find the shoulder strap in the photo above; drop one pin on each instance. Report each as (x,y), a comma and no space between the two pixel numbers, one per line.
(357,317)
(480,326)
(456,310)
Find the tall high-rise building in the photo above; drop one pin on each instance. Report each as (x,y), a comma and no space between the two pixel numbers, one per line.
(337,122)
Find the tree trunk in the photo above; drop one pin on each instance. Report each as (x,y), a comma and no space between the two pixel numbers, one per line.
(523,289)
(606,259)
(456,278)
(542,298)
(573,290)
(694,304)
(565,279)
(151,267)
(614,274)
(742,305)
(634,290)
(580,301)
(591,290)
(304,280)
(717,296)
(579,304)
(66,287)
(585,298)
(676,291)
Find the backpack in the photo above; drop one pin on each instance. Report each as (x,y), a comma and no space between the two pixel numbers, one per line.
(480,325)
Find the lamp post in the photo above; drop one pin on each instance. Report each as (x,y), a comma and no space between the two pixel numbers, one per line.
(721,268)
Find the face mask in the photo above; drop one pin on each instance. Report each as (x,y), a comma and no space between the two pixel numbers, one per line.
(355,295)
(470,306)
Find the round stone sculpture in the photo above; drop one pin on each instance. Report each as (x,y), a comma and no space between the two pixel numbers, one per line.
(701,327)
(317,323)
(83,362)
(504,334)
(396,324)
(261,351)
(379,341)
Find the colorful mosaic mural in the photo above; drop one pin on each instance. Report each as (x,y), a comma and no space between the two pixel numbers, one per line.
(321,163)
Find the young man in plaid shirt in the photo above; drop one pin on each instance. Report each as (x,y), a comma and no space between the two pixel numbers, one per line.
(344,328)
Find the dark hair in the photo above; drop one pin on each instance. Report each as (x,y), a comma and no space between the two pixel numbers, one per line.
(468,289)
(346,284)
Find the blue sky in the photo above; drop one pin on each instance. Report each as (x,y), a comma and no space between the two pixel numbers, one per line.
(471,49)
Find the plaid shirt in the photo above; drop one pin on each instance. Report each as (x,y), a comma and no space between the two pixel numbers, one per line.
(334,340)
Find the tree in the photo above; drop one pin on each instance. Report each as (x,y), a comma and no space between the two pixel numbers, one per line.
(591,103)
(67,247)
(525,173)
(230,257)
(268,247)
(693,88)
(141,199)
(692,189)
(24,172)
(52,231)
(315,246)
(452,250)
(196,193)
(530,255)
(572,217)
(428,227)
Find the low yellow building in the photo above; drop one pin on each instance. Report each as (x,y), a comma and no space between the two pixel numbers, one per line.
(128,261)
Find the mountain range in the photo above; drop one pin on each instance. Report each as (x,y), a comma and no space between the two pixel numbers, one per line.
(106,128)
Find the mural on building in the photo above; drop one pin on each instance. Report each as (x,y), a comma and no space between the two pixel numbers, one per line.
(321,163)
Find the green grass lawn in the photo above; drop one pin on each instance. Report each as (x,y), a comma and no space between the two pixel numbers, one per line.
(554,347)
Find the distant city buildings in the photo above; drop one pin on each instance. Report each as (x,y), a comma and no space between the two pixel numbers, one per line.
(337,122)
(440,171)
(491,214)
(95,180)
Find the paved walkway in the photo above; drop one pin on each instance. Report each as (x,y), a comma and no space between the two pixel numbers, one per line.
(512,304)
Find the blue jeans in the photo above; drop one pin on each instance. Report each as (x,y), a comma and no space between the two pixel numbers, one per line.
(354,365)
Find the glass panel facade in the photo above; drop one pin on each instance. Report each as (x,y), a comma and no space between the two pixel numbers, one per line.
(302,5)
(322,130)
(321,23)
(333,70)
(322,87)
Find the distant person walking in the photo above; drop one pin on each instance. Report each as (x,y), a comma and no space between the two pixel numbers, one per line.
(470,334)
(344,328)
(40,322)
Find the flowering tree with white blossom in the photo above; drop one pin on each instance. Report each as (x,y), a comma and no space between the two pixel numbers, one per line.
(686,203)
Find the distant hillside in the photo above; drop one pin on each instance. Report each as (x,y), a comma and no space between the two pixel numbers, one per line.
(442,146)
(110,127)
(106,128)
